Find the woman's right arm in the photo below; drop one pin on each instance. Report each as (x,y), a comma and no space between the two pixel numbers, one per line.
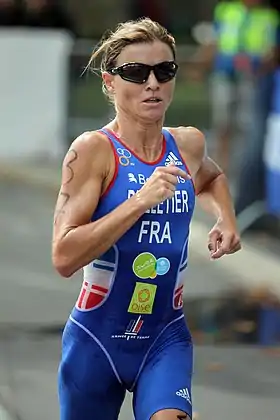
(85,171)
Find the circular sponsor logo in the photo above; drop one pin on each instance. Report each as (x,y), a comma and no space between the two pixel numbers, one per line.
(144,266)
(144,295)
(124,161)
(124,156)
(124,152)
(162,266)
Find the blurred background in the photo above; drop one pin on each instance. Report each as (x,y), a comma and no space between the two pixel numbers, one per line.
(229,87)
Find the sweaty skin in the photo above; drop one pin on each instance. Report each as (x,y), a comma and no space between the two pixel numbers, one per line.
(135,344)
(88,170)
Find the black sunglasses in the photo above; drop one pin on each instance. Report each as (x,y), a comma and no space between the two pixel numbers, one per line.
(139,72)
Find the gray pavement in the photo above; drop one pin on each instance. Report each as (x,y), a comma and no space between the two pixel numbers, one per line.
(31,291)
(33,295)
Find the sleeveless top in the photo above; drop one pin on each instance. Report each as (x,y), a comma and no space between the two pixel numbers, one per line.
(135,288)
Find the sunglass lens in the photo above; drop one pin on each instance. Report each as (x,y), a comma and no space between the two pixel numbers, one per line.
(136,73)
(165,71)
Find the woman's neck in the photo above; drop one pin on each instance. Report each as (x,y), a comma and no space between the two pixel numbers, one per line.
(145,140)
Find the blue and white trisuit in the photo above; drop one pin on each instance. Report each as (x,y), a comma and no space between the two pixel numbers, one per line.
(127,330)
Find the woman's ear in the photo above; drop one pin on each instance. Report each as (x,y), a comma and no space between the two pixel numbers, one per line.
(108,80)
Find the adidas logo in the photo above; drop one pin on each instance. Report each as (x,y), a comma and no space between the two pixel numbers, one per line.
(172,158)
(184,393)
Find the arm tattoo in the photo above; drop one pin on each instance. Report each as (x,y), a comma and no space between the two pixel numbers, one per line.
(63,196)
(73,155)
(60,209)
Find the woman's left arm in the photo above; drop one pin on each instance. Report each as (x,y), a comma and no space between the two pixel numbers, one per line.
(212,191)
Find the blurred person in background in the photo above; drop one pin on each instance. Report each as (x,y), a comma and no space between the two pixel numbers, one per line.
(264,61)
(46,14)
(244,54)
(269,321)
(114,217)
(246,321)
(257,319)
(10,13)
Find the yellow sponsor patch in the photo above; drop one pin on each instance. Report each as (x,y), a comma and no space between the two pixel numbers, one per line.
(143,297)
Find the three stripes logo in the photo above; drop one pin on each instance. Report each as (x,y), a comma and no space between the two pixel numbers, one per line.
(184,393)
(172,158)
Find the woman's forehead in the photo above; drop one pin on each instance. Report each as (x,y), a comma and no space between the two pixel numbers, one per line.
(147,53)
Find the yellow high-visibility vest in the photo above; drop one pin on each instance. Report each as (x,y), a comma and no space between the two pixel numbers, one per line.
(244,30)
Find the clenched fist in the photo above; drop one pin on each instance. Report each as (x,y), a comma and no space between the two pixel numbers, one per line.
(160,186)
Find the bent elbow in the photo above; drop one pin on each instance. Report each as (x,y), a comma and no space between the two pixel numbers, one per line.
(62,264)
(62,268)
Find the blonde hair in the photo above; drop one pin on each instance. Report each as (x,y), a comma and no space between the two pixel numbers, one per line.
(143,30)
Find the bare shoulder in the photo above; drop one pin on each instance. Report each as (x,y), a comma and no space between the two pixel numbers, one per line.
(86,172)
(89,147)
(191,144)
(89,152)
(189,140)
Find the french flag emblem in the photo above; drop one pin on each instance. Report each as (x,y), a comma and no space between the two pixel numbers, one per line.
(90,296)
(178,297)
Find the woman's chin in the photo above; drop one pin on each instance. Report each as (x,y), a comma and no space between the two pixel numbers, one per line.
(152,115)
